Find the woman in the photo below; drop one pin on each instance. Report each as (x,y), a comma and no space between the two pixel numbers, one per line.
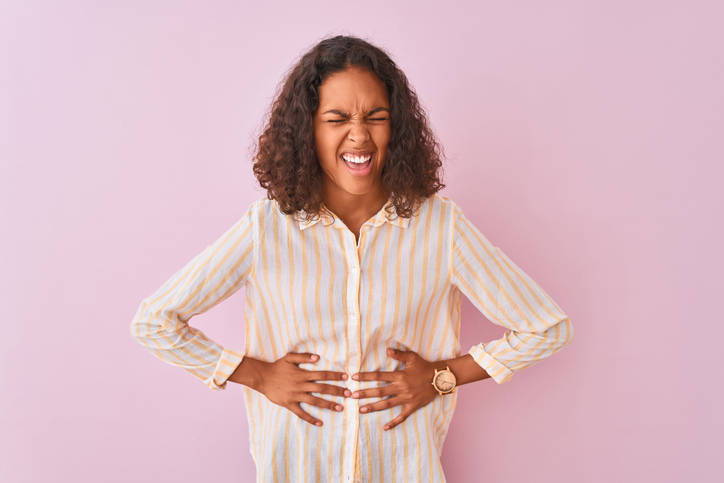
(353,268)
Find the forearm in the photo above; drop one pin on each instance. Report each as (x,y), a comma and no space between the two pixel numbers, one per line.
(248,372)
(518,350)
(465,368)
(160,330)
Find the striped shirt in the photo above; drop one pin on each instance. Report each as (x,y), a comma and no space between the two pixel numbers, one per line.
(313,287)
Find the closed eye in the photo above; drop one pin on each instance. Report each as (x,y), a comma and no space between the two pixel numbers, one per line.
(343,120)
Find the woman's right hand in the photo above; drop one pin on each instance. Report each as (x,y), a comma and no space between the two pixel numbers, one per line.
(284,383)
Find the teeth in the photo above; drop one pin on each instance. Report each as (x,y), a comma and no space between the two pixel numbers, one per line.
(356,159)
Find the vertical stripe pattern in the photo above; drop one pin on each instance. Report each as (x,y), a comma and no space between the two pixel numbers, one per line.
(312,286)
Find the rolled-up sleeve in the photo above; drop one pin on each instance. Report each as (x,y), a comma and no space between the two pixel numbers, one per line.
(161,322)
(537,327)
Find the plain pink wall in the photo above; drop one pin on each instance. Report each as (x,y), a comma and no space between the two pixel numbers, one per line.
(584,139)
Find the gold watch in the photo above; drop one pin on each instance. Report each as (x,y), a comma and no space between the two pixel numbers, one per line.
(444,381)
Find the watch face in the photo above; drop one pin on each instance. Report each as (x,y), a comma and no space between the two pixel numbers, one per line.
(444,381)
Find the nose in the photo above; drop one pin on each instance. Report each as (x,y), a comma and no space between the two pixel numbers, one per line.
(358,133)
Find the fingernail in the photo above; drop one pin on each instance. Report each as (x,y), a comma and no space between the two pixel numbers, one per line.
(338,407)
(363,409)
(347,393)
(385,428)
(318,423)
(392,351)
(355,377)
(315,357)
(345,376)
(355,395)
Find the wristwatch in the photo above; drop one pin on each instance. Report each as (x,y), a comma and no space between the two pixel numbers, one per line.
(444,381)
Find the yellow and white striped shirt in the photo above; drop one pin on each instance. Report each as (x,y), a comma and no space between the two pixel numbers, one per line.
(312,287)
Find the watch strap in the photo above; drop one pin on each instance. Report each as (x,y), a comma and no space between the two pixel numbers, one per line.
(440,365)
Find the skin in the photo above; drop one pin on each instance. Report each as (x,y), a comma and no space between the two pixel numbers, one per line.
(359,123)
(353,116)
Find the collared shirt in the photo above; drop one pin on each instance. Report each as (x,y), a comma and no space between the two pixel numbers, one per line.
(311,286)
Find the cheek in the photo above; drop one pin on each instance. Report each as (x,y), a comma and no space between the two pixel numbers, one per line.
(329,138)
(382,140)
(322,141)
(327,147)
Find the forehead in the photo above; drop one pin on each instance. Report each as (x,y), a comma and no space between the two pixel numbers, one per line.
(352,89)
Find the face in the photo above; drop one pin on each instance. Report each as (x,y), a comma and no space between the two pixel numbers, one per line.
(351,131)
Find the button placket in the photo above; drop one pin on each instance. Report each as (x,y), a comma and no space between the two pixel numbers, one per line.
(354,350)
(353,302)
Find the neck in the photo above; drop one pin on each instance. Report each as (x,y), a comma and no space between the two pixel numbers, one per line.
(348,206)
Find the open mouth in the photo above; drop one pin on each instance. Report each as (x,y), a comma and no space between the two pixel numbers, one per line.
(357,163)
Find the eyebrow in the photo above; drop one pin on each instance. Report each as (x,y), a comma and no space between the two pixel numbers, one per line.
(344,114)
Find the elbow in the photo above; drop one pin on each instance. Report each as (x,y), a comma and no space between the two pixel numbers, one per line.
(557,336)
(150,330)
(138,328)
(564,334)
(135,330)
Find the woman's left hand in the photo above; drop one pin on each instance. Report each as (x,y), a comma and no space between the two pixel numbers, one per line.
(411,386)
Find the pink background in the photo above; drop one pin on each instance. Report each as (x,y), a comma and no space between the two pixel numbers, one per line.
(584,138)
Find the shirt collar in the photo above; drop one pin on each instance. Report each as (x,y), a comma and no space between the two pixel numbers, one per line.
(376,220)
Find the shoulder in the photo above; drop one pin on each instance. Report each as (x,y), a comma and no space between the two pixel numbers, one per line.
(444,200)
(444,204)
(265,211)
(254,212)
(261,207)
(439,211)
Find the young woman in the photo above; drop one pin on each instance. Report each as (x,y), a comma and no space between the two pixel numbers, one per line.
(353,268)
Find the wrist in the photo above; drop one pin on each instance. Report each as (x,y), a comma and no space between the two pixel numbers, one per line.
(440,365)
(249,372)
(444,380)
(466,370)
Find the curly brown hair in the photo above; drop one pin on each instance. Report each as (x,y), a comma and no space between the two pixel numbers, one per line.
(285,159)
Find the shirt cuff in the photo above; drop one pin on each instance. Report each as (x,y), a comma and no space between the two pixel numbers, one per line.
(495,369)
(227,364)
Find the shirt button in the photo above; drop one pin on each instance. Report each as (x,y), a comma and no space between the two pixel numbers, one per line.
(353,353)
(354,269)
